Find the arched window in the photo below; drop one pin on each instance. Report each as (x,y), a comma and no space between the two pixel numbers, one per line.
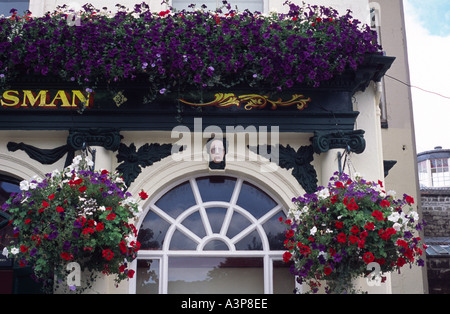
(8,185)
(213,234)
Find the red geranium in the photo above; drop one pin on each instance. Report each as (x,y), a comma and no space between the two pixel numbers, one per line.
(378,215)
(111,216)
(341,237)
(108,254)
(143,195)
(368,257)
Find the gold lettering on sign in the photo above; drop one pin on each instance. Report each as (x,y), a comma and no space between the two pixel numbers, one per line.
(9,99)
(45,99)
(30,98)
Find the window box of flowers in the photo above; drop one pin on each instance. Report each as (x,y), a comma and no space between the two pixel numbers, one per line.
(190,52)
(343,230)
(76,215)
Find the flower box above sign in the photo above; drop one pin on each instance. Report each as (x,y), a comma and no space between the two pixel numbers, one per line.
(190,49)
(46,99)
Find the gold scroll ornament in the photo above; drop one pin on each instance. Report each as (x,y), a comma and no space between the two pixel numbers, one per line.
(224,100)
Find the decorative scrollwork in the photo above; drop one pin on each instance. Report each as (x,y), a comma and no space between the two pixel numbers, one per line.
(119,99)
(298,160)
(224,100)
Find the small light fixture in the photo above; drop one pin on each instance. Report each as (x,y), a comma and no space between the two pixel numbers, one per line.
(217,151)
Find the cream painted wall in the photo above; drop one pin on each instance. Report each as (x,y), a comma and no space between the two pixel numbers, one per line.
(399,139)
(358,7)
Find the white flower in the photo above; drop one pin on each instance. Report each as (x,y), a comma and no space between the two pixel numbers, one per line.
(130,200)
(394,217)
(131,238)
(304,210)
(392,193)
(55,173)
(5,252)
(328,231)
(313,230)
(14,251)
(37,179)
(33,185)
(294,213)
(138,213)
(24,185)
(397,226)
(324,193)
(414,216)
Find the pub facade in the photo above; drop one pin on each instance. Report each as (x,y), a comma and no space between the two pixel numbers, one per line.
(221,159)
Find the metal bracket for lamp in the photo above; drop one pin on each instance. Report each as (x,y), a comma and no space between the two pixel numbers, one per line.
(85,150)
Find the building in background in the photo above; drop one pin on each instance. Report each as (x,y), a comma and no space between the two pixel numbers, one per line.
(434,178)
(396,116)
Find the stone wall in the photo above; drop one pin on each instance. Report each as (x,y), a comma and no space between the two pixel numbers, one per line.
(436,211)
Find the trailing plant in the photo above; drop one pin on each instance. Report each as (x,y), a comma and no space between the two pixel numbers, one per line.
(335,234)
(77,215)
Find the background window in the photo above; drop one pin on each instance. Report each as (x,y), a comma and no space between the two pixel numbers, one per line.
(242,5)
(440,174)
(20,6)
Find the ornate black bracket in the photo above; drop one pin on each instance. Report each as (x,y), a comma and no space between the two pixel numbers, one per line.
(78,139)
(299,161)
(351,140)
(388,165)
(132,160)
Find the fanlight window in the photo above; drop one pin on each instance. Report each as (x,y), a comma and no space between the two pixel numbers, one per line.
(207,234)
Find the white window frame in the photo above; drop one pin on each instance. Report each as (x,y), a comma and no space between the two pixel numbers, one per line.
(163,255)
(265,5)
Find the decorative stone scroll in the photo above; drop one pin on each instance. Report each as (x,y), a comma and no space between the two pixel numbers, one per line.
(107,138)
(352,140)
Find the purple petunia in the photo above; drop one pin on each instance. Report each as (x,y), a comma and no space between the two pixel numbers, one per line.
(190,48)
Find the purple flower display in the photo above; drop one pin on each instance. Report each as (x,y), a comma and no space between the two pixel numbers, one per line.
(187,49)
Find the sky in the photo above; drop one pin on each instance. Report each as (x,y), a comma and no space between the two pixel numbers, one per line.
(427,24)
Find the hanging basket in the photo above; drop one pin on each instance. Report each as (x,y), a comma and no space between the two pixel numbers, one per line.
(335,233)
(76,215)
